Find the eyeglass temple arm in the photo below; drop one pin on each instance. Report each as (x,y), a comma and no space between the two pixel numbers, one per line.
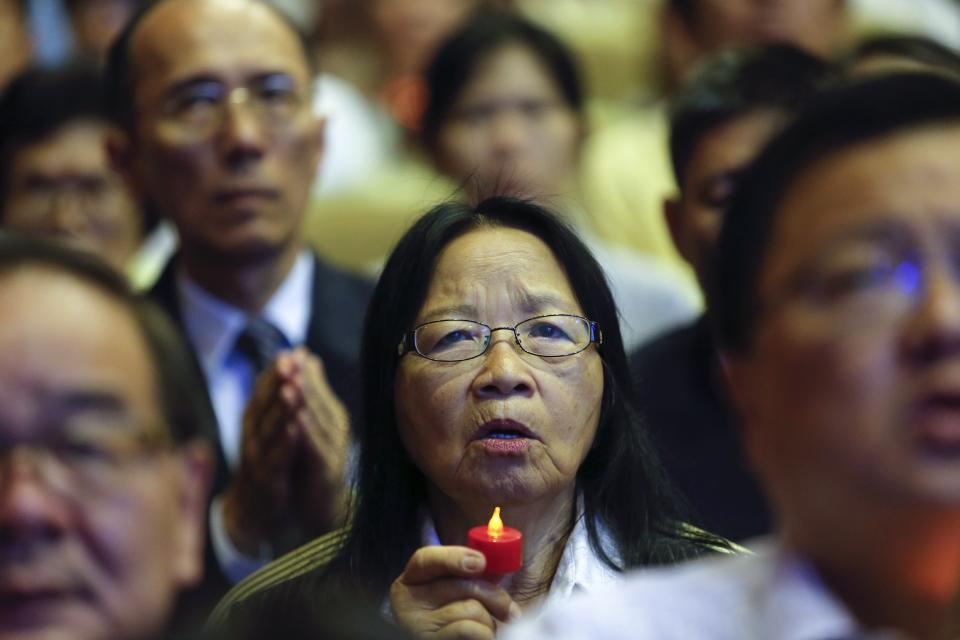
(595,334)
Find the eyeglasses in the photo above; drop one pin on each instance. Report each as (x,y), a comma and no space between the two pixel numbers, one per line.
(864,283)
(200,108)
(89,454)
(532,111)
(549,336)
(99,199)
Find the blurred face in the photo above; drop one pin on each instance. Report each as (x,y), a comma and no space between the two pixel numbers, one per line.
(512,128)
(506,427)
(63,187)
(225,144)
(851,389)
(709,181)
(97,22)
(99,523)
(815,25)
(411,30)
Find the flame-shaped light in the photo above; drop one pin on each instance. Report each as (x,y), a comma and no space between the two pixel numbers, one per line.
(495,526)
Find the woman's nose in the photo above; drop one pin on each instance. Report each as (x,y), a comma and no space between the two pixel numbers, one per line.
(504,371)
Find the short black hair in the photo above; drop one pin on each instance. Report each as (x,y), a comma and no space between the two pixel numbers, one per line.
(119,73)
(38,102)
(456,60)
(177,379)
(915,48)
(735,82)
(689,10)
(839,118)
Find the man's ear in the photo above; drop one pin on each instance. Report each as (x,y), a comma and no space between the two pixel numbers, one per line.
(196,474)
(742,389)
(673,214)
(319,134)
(679,50)
(122,159)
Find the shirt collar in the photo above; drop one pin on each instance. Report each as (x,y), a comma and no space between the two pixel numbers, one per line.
(213,325)
(796,604)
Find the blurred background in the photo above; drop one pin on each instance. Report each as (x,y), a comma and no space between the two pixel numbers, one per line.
(371,53)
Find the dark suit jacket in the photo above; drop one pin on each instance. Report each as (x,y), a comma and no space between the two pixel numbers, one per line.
(338,306)
(685,409)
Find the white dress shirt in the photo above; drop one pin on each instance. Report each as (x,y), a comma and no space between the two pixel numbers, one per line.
(770,595)
(212,327)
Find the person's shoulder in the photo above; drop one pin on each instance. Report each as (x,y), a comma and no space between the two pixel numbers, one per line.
(303,560)
(709,597)
(330,276)
(664,348)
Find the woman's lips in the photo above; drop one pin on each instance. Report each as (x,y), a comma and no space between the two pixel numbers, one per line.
(504,437)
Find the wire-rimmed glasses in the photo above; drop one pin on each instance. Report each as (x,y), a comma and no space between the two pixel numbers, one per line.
(455,340)
(199,108)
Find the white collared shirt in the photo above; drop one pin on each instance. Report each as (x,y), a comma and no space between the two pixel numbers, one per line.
(213,327)
(770,595)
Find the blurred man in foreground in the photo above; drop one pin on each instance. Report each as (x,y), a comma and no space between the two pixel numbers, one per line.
(837,305)
(103,478)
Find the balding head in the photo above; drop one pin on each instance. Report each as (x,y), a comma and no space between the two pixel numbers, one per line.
(123,68)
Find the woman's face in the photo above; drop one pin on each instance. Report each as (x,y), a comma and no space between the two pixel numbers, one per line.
(511,127)
(506,427)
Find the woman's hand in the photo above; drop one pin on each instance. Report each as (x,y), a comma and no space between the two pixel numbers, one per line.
(440,595)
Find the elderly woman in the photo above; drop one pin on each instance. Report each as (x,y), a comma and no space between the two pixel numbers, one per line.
(506,113)
(493,375)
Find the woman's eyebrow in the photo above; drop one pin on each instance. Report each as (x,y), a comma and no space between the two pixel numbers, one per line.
(531,302)
(452,312)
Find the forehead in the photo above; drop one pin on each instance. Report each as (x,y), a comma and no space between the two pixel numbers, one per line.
(910,178)
(75,146)
(228,39)
(510,69)
(732,144)
(60,337)
(498,269)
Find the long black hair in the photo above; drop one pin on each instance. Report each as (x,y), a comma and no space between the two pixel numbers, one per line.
(622,485)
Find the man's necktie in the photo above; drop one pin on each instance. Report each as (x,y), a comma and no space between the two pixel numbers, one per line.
(260,342)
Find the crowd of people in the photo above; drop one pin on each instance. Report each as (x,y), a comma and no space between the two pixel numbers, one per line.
(737,418)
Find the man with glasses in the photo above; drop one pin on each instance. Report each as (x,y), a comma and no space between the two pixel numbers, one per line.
(215,99)
(55,177)
(837,308)
(103,473)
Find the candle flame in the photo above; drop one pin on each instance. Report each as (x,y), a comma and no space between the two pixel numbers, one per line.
(495,526)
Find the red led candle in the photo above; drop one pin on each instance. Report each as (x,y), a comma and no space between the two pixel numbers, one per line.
(502,546)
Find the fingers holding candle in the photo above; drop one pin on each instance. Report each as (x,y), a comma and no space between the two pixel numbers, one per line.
(440,591)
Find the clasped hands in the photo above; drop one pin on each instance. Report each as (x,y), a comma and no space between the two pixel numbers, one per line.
(295,444)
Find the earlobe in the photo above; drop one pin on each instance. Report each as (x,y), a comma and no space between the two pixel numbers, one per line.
(673,215)
(319,140)
(741,388)
(120,154)
(195,460)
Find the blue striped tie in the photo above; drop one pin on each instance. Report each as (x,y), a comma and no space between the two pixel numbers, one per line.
(260,342)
